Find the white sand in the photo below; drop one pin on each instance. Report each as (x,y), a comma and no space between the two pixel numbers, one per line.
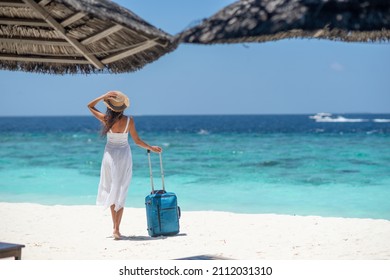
(83,232)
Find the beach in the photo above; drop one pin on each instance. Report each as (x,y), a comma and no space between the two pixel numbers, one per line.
(84,233)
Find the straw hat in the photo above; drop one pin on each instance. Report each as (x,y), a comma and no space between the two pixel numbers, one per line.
(119,103)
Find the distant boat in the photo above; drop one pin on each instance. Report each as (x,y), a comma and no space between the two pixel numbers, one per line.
(327,117)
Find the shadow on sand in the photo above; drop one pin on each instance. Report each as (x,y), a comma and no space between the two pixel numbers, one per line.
(146,238)
(204,257)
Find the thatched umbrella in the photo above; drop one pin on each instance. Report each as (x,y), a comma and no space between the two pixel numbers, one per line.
(267,20)
(76,36)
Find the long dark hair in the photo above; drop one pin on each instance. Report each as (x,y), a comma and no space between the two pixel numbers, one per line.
(109,120)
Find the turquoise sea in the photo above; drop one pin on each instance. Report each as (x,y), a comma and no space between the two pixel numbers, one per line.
(284,164)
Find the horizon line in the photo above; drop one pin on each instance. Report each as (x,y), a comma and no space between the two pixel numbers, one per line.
(200,115)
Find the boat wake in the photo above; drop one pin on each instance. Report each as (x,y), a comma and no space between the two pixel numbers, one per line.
(327,117)
(381,120)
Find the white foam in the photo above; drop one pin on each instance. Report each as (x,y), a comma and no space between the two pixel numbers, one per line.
(340,119)
(203,132)
(371,132)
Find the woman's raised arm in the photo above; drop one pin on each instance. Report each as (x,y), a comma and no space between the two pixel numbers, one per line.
(91,105)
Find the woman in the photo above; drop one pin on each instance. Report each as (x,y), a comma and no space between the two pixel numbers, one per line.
(116,169)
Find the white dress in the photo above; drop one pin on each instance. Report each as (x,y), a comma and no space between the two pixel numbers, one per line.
(116,170)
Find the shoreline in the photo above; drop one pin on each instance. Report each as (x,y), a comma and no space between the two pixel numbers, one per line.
(65,203)
(83,232)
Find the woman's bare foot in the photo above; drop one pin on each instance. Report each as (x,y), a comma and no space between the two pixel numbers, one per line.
(117,235)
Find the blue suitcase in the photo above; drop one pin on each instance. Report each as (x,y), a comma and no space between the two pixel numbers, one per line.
(162,212)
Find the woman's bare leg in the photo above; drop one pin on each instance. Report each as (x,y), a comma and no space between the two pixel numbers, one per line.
(113,215)
(116,220)
(119,215)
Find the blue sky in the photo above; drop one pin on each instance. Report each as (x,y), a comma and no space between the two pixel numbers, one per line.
(283,77)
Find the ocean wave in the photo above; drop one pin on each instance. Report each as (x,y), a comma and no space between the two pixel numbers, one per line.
(372,132)
(203,132)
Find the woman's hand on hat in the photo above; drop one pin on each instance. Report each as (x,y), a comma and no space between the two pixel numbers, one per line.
(110,94)
(156,149)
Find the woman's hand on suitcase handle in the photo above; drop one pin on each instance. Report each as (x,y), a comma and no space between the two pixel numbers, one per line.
(156,149)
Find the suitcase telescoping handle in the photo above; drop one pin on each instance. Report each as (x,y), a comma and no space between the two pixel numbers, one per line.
(151,174)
